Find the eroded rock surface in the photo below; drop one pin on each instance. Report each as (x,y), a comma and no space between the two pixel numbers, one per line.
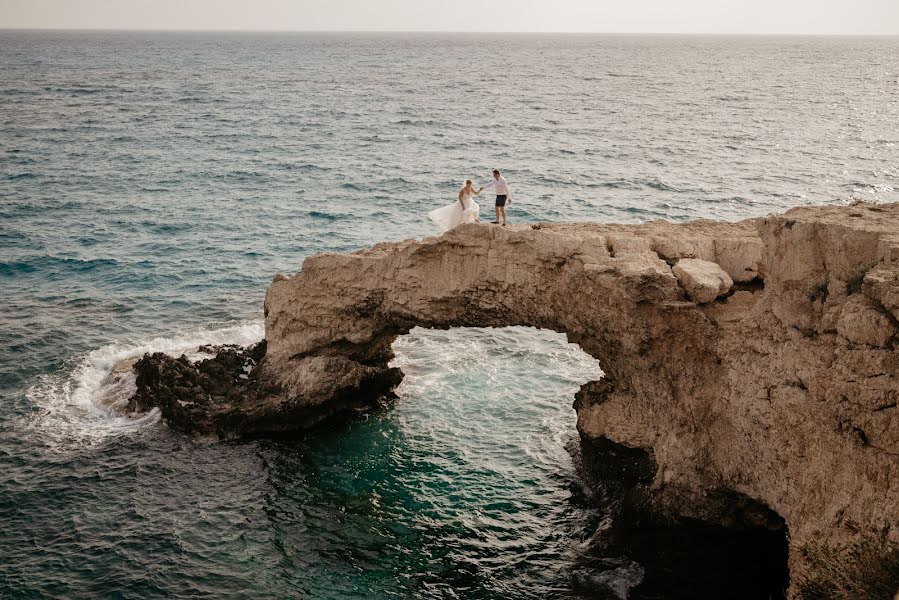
(227,396)
(782,392)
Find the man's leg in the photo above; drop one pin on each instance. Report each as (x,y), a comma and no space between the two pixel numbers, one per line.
(502,209)
(497,215)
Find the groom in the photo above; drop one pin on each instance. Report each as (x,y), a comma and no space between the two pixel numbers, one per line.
(503,194)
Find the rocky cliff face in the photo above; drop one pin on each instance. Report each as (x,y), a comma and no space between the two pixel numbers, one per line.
(755,361)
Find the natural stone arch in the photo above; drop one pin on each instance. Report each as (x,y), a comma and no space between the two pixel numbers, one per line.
(727,396)
(609,292)
(608,289)
(783,393)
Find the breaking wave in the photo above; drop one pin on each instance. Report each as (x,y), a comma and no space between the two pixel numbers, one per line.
(87,403)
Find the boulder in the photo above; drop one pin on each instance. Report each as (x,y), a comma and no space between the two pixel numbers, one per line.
(861,322)
(701,279)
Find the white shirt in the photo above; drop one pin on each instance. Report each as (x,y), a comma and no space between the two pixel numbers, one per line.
(500,185)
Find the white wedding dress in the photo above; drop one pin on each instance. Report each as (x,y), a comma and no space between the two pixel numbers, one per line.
(455,214)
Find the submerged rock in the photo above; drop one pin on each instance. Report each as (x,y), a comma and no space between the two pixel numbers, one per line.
(117,387)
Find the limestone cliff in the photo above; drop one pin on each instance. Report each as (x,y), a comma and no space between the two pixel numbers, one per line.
(756,359)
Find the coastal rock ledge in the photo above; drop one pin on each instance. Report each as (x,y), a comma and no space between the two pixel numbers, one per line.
(751,363)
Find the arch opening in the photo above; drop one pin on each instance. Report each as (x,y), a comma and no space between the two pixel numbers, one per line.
(485,380)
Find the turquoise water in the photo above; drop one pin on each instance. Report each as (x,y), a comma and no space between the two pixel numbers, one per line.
(152,184)
(463,488)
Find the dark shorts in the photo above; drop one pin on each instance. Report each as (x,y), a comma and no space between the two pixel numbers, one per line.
(501,200)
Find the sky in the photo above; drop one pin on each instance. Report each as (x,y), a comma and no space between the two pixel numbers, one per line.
(614,16)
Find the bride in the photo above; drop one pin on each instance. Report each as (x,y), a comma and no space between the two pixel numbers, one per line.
(465,210)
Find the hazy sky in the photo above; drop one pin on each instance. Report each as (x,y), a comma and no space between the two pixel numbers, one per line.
(674,16)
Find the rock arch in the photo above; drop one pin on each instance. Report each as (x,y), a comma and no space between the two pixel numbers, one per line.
(609,289)
(763,365)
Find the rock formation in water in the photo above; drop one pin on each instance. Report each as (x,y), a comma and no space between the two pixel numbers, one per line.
(755,361)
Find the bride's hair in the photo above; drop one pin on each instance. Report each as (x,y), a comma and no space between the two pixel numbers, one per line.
(467,182)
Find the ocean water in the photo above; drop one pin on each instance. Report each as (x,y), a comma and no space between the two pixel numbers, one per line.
(151,185)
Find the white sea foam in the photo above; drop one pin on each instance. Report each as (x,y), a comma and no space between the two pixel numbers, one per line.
(471,380)
(87,403)
(426,356)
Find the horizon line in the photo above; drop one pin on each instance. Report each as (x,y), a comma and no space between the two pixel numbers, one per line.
(439,31)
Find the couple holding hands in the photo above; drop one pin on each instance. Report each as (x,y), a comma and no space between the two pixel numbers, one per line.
(466,210)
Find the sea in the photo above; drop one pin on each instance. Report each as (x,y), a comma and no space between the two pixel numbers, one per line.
(152,184)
